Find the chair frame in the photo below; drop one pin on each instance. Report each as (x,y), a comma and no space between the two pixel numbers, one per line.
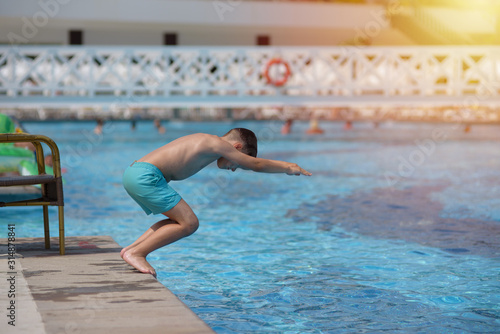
(51,185)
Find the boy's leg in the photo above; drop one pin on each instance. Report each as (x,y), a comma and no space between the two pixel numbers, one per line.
(146,234)
(182,223)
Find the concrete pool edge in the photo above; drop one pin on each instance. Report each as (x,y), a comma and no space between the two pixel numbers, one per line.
(90,289)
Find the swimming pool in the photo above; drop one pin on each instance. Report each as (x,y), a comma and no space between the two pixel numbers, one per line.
(397,230)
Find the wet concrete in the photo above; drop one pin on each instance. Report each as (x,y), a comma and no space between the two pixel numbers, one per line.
(89,290)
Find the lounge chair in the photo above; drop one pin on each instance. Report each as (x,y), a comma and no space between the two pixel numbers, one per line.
(51,185)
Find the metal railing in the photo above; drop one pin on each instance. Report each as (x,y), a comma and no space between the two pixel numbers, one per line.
(232,76)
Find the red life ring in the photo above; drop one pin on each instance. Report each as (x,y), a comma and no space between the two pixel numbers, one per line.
(284,79)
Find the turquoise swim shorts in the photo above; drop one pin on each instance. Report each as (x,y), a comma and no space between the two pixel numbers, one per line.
(146,184)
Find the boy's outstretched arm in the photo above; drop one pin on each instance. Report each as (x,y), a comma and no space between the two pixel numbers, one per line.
(260,165)
(276,166)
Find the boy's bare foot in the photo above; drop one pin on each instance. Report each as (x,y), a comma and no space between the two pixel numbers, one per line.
(139,263)
(123,251)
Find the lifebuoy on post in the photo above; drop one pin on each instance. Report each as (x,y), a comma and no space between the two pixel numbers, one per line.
(277,81)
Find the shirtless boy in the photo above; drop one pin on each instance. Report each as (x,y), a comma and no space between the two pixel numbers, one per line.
(146,181)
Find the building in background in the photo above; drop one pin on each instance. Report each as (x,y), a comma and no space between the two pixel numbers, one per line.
(246,23)
(320,56)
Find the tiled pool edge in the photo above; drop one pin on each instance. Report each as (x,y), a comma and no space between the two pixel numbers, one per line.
(90,289)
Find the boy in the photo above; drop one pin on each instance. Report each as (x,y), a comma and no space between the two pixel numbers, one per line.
(146,181)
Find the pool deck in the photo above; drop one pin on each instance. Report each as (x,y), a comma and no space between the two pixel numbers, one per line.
(88,290)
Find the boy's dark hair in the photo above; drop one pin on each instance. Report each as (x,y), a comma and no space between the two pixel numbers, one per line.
(247,138)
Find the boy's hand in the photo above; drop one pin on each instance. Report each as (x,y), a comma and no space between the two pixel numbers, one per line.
(295,169)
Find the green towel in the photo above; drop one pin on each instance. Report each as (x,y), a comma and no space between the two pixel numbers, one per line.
(6,124)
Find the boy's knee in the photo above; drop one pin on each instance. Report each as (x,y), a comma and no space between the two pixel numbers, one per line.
(191,226)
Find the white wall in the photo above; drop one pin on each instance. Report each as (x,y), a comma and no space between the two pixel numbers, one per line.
(193,12)
(123,34)
(133,37)
(205,22)
(143,22)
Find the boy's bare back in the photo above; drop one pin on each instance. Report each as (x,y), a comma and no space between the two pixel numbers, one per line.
(185,156)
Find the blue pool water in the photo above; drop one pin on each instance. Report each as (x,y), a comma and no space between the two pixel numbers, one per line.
(397,231)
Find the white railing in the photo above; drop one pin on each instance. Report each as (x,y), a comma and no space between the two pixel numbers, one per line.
(232,76)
